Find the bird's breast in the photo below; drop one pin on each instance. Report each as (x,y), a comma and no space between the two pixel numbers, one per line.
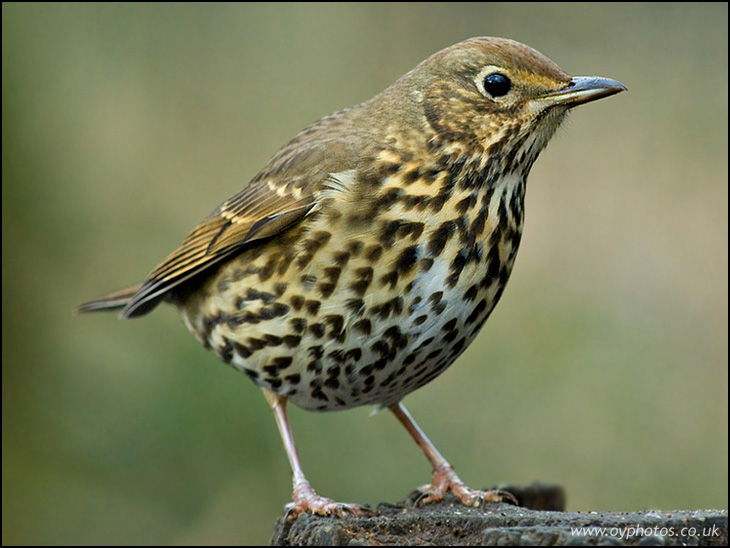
(365,305)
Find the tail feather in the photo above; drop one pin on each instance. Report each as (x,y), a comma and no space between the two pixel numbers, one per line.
(111,301)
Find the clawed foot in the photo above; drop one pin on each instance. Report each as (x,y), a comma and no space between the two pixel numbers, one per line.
(307,500)
(445,479)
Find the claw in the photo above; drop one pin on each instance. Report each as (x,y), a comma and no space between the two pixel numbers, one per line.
(445,480)
(323,506)
(505,496)
(424,493)
(307,500)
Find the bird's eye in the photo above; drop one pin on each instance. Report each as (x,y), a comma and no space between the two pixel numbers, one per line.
(497,84)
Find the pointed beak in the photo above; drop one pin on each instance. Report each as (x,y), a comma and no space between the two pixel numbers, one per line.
(584,89)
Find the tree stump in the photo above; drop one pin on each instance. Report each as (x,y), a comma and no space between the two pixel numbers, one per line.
(539,520)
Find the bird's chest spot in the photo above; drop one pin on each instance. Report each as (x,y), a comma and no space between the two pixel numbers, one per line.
(346,317)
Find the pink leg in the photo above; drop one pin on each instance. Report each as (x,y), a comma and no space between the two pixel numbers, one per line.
(444,477)
(305,499)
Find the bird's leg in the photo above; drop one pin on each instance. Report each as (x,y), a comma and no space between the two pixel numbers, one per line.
(444,477)
(305,499)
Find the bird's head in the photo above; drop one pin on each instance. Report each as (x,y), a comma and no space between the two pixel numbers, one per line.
(495,98)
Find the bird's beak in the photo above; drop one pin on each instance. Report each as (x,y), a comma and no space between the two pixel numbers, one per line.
(584,89)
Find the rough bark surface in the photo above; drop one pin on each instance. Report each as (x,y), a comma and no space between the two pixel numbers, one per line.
(539,520)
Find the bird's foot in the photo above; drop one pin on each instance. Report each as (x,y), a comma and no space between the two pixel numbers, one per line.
(306,499)
(445,479)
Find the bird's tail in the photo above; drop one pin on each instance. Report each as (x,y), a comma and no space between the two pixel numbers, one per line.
(111,301)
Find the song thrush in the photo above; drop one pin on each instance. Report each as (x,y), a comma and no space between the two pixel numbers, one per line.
(367,254)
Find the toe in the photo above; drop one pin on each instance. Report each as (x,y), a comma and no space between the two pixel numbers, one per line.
(323,506)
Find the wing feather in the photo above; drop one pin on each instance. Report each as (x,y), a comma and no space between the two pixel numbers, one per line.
(279,197)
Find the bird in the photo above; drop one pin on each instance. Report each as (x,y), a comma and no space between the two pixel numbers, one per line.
(369,251)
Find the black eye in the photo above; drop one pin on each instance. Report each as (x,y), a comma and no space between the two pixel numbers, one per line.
(497,84)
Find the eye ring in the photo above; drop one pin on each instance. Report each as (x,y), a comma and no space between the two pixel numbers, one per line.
(497,84)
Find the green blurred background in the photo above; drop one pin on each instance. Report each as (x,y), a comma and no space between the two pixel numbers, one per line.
(604,368)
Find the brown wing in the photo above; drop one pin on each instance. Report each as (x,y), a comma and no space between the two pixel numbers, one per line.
(279,197)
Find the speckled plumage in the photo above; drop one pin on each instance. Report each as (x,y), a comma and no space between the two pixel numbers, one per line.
(367,254)
(345,312)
